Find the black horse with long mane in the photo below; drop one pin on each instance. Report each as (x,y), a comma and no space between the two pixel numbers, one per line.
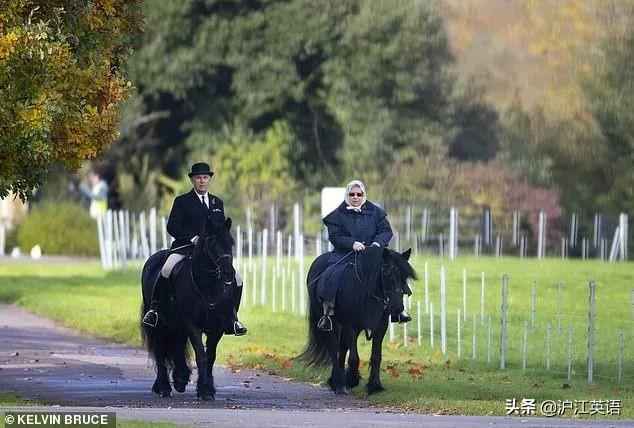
(201,296)
(372,288)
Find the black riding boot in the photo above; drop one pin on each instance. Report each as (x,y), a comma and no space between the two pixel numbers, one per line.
(325,322)
(159,291)
(234,326)
(401,318)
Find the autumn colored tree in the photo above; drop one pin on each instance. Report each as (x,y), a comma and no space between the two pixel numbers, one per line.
(61,84)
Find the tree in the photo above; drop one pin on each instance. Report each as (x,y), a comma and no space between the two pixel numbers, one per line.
(354,81)
(610,93)
(476,123)
(61,84)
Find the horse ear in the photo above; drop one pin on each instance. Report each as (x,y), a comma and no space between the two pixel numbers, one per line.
(227,224)
(407,254)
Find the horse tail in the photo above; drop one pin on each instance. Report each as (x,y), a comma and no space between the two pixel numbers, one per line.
(153,340)
(160,344)
(315,352)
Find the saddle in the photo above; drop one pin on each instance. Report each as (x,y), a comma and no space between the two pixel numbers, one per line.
(332,279)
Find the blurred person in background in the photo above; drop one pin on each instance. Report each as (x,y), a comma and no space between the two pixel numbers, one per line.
(96,193)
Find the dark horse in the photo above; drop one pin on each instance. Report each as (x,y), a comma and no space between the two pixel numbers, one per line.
(200,298)
(372,288)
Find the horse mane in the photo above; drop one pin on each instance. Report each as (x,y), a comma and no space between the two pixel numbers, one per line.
(402,264)
(362,287)
(215,226)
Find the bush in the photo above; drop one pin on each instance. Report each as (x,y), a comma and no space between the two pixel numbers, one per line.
(62,228)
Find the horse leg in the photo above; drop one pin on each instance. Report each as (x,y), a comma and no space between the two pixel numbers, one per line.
(374,382)
(343,347)
(337,379)
(182,372)
(202,388)
(213,337)
(161,385)
(352,373)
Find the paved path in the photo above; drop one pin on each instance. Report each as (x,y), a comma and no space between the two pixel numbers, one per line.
(53,365)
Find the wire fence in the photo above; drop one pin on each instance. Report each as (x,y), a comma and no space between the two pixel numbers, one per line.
(580,330)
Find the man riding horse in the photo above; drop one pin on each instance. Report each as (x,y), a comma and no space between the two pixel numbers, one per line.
(186,220)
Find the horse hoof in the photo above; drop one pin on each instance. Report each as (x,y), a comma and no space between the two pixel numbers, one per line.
(352,380)
(206,397)
(165,394)
(341,390)
(373,389)
(180,387)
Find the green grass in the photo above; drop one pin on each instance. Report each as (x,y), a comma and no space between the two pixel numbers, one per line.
(8,399)
(419,378)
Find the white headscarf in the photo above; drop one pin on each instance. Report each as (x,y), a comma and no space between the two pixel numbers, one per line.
(349,187)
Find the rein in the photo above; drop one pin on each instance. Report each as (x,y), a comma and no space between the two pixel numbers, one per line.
(329,268)
(217,271)
(385,302)
(179,248)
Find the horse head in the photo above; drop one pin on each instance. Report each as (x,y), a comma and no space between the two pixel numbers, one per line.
(216,245)
(395,272)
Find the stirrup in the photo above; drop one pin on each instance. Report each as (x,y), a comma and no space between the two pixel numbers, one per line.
(401,318)
(151,318)
(325,323)
(239,329)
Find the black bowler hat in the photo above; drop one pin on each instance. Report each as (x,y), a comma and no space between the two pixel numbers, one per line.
(200,168)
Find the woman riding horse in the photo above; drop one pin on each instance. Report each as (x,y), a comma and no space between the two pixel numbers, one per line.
(370,289)
(355,224)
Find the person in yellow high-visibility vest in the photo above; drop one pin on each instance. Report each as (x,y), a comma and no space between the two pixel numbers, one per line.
(97,192)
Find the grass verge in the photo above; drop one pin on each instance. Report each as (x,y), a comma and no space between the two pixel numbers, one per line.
(416,378)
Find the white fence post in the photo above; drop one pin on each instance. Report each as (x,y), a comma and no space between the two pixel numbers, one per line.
(623,227)
(482,297)
(427,289)
(265,242)
(464,294)
(505,286)
(541,241)
(152,230)
(591,315)
(453,233)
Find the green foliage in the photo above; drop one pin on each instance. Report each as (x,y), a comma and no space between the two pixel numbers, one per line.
(60,84)
(354,82)
(253,171)
(611,95)
(60,228)
(476,123)
(138,187)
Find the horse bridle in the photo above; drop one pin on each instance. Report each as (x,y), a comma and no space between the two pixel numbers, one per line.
(217,270)
(385,291)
